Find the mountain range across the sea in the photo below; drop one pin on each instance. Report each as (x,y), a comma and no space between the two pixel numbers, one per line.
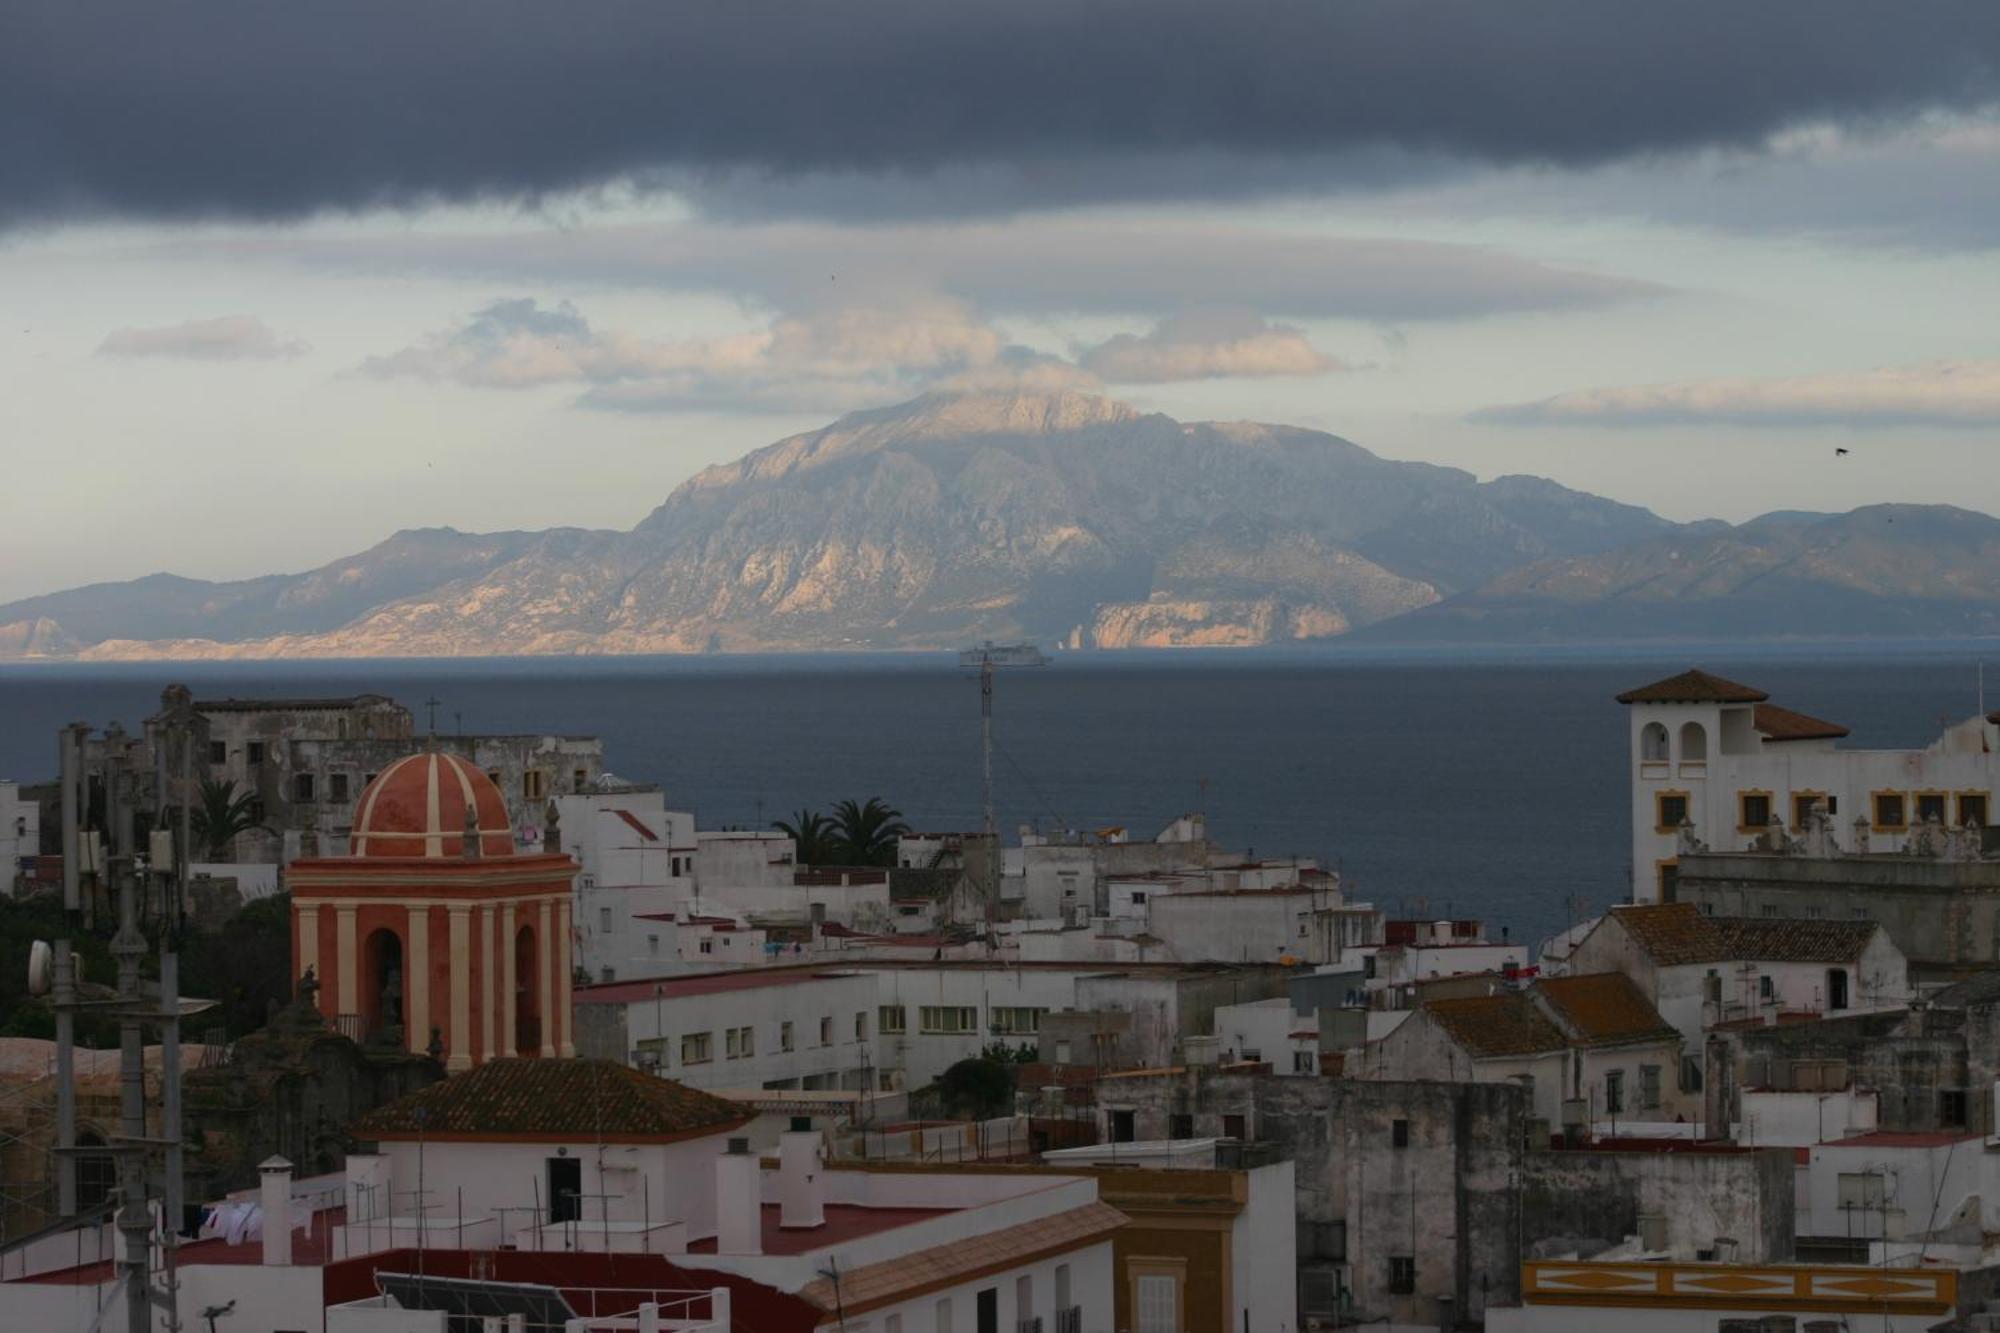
(1074,520)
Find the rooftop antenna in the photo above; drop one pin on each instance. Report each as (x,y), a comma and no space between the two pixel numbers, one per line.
(431,709)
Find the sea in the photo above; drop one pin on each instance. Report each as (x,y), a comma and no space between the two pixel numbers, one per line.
(1489,783)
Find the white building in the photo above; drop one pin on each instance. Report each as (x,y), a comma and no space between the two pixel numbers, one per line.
(1701,970)
(765,1028)
(20,833)
(1719,762)
(637,860)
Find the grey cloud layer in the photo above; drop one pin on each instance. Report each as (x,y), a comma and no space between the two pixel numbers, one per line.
(225,338)
(254,109)
(1032,266)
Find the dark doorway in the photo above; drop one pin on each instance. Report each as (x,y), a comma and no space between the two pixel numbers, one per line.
(989,1310)
(1122,1128)
(1836,988)
(565,1185)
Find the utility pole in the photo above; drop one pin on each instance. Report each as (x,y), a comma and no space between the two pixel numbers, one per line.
(135,1224)
(991,852)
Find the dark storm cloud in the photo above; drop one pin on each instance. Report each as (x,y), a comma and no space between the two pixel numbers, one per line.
(256,108)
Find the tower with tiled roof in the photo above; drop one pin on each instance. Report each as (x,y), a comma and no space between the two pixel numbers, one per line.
(435,932)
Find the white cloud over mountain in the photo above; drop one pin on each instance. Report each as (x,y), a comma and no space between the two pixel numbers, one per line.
(1208,345)
(1934,393)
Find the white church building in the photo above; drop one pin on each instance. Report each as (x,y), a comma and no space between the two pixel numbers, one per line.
(1717,764)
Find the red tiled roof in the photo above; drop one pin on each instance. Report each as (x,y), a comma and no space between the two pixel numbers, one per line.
(552,1100)
(1491,1025)
(1693,686)
(1676,934)
(1782,724)
(1604,1009)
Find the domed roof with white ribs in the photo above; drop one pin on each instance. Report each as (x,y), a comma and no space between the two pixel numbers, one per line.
(416,808)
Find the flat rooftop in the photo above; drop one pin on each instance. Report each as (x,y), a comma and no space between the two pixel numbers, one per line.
(844,1222)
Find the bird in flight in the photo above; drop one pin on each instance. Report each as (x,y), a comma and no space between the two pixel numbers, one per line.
(1839,452)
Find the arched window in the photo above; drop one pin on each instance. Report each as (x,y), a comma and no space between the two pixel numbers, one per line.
(1694,743)
(382,985)
(1653,743)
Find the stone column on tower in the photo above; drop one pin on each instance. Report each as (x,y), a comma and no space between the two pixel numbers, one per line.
(545,992)
(417,980)
(459,1036)
(509,1002)
(347,945)
(564,951)
(489,1005)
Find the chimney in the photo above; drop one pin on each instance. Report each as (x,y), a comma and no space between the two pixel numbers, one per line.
(801,1184)
(739,1201)
(275,1179)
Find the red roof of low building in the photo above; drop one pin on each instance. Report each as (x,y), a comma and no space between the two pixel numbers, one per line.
(1693,686)
(1604,1009)
(1496,1025)
(552,1100)
(1782,724)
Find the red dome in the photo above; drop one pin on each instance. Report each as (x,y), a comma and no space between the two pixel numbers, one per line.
(416,807)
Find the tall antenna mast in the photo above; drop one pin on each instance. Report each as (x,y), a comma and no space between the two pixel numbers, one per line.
(991,852)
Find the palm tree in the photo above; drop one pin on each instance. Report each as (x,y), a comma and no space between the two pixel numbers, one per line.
(866,834)
(220,815)
(811,834)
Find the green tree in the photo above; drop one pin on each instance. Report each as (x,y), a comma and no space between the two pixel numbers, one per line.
(977,1087)
(245,966)
(220,815)
(812,834)
(866,834)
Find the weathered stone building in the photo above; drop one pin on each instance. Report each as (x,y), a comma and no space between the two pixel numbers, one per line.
(1418,1201)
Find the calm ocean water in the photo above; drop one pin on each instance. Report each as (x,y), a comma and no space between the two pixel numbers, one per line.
(1438,782)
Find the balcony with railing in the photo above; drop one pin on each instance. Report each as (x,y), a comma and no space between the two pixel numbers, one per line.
(1070,1320)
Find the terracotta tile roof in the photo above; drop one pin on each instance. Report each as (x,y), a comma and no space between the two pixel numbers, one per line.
(1693,686)
(1604,1009)
(556,1100)
(1785,940)
(1782,724)
(889,1281)
(1676,934)
(1494,1025)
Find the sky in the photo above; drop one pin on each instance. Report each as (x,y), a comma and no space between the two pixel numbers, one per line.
(279,280)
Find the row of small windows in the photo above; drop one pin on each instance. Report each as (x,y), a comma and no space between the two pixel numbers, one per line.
(305,786)
(1890,811)
(740,1043)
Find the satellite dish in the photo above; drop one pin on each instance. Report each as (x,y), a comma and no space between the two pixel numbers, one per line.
(41,967)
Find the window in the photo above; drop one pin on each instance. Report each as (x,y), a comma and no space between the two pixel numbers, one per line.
(1670,810)
(338,789)
(1158,1302)
(1138,898)
(1802,807)
(1768,909)
(1951,1106)
(1668,873)
(367,778)
(218,752)
(1402,1275)
(740,1043)
(1861,1190)
(302,788)
(948,1019)
(1016,1021)
(1180,1125)
(1767,987)
(1694,743)
(1649,1087)
(253,753)
(943,1316)
(652,944)
(579,779)
(1062,1050)
(1302,1062)
(986,1308)
(890,1018)
(1614,1092)
(607,973)
(1232,1127)
(604,919)
(1123,1126)
(651,1052)
(1836,988)
(1889,812)
(1399,1133)
(1024,1300)
(1753,811)
(861,1026)
(534,784)
(785,1035)
(1653,743)
(826,1030)
(1972,808)
(707,945)
(697,1048)
(1930,806)
(1690,1073)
